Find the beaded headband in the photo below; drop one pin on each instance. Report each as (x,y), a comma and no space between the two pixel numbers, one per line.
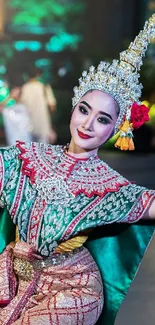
(120,79)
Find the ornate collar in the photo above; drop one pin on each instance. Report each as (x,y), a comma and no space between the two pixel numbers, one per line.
(44,163)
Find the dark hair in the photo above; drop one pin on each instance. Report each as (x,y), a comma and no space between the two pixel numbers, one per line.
(115,102)
(34,72)
(16,81)
(116,106)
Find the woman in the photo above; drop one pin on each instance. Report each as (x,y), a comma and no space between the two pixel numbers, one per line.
(40,101)
(16,121)
(56,195)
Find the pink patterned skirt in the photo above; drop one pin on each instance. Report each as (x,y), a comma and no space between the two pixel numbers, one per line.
(69,293)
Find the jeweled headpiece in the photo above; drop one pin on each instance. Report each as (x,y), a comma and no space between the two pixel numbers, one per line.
(120,79)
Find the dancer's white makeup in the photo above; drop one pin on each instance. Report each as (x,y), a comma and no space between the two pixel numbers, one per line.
(92,121)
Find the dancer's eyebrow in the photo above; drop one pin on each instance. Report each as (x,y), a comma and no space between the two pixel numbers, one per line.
(100,112)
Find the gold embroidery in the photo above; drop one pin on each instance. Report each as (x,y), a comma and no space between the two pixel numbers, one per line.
(71,244)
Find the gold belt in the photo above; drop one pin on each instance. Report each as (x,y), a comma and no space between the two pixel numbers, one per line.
(25,269)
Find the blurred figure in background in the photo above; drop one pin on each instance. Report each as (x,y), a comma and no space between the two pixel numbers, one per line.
(40,101)
(15,118)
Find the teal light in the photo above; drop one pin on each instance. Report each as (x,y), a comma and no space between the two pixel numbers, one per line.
(54,45)
(20,45)
(41,63)
(6,52)
(10,102)
(60,42)
(34,46)
(4,93)
(34,12)
(35,29)
(2,83)
(27,45)
(59,18)
(2,69)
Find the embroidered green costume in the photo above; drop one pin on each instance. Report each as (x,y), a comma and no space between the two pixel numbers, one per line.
(52,197)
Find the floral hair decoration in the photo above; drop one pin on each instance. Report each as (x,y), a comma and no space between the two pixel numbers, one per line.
(139,115)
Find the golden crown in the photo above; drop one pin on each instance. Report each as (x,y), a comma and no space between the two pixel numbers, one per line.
(120,79)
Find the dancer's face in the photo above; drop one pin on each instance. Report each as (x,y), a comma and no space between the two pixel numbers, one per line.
(93,120)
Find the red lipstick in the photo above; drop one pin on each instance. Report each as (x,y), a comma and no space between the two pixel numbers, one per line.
(83,135)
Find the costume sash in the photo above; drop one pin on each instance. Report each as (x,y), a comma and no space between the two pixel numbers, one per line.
(118,253)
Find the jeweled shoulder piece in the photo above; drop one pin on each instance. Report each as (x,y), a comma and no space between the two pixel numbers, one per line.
(60,177)
(121,78)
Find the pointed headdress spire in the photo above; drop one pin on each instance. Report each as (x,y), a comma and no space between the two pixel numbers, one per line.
(120,79)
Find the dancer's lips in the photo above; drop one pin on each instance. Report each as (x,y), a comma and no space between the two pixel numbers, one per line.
(83,135)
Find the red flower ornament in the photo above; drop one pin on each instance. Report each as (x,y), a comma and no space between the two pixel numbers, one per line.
(139,115)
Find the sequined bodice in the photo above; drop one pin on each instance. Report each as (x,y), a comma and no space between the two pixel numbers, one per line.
(53,196)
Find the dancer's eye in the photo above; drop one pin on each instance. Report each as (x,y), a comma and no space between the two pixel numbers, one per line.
(83,110)
(103,120)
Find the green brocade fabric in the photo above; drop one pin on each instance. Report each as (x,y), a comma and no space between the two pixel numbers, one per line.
(118,255)
(7,229)
(117,249)
(32,197)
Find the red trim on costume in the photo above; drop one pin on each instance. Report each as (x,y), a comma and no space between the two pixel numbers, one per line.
(140,207)
(35,223)
(18,196)
(92,178)
(26,170)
